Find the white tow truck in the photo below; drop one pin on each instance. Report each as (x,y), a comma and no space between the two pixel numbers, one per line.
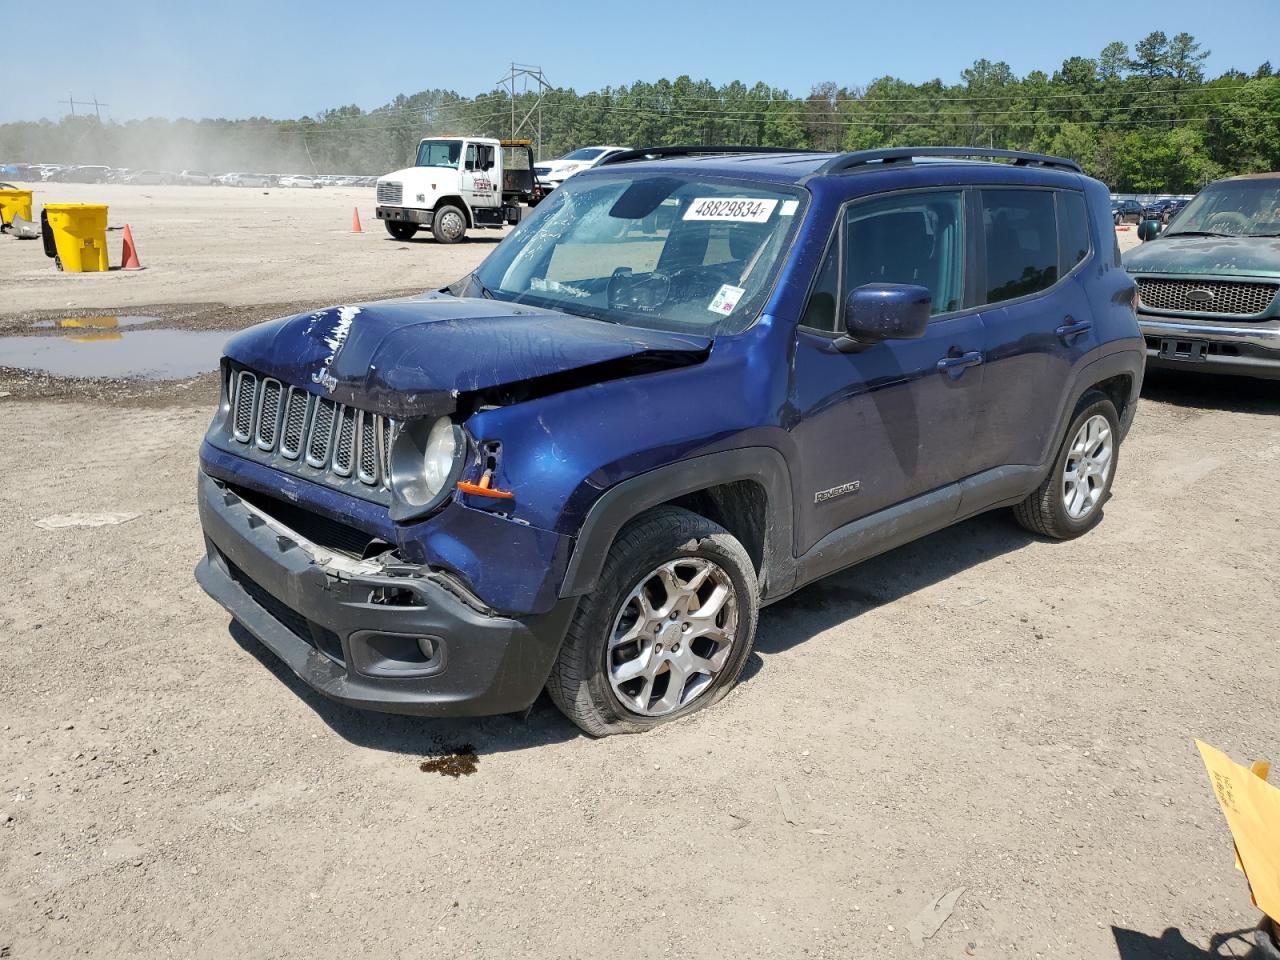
(458,183)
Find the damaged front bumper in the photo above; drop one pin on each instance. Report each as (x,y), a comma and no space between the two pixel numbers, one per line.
(399,638)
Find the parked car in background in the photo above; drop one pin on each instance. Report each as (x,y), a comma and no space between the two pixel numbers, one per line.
(298,180)
(1209,286)
(82,174)
(588,464)
(151,178)
(1126,211)
(552,173)
(195,178)
(245,180)
(1172,207)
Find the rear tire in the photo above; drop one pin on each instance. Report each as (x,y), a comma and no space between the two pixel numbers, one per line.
(400,230)
(677,603)
(1069,502)
(449,225)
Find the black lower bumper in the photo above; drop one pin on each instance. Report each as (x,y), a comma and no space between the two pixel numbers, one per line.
(399,640)
(405,215)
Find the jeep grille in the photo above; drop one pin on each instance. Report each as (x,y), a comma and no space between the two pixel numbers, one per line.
(325,435)
(1206,296)
(389,191)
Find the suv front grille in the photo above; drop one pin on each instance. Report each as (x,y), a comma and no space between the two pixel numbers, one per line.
(389,191)
(329,436)
(1206,296)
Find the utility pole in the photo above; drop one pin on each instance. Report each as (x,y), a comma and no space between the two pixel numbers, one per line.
(531,75)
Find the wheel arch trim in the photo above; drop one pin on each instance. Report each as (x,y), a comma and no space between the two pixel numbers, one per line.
(628,499)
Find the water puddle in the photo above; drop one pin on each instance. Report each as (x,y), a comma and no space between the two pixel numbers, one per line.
(93,323)
(101,350)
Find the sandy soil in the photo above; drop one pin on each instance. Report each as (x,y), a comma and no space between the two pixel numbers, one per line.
(981,709)
(231,245)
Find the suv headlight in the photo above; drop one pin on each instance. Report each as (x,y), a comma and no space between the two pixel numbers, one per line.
(426,463)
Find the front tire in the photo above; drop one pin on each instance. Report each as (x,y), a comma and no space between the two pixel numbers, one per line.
(666,630)
(1069,502)
(400,230)
(449,225)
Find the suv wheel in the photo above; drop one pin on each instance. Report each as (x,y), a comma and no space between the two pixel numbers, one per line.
(449,225)
(1069,502)
(666,630)
(401,230)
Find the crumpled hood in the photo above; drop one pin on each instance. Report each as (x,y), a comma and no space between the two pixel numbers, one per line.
(414,357)
(1242,256)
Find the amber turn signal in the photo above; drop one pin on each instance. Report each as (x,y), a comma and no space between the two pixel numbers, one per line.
(482,489)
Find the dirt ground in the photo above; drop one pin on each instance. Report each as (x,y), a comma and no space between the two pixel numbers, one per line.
(979,710)
(230,245)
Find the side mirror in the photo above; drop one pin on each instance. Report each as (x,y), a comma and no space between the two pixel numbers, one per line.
(1148,230)
(885,311)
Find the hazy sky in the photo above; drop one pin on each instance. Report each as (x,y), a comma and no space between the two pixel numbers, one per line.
(284,59)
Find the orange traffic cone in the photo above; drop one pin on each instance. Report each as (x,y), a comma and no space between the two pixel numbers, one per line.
(130,255)
(355,220)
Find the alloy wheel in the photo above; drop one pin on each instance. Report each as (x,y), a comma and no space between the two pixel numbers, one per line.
(672,636)
(1084,477)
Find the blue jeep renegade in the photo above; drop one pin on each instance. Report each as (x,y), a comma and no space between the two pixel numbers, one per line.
(693,381)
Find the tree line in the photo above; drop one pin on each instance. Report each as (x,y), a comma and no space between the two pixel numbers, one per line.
(1144,118)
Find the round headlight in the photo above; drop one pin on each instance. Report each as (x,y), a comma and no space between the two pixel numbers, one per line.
(426,462)
(440,454)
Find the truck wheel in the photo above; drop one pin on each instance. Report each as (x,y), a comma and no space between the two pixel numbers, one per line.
(1069,502)
(401,230)
(449,225)
(666,630)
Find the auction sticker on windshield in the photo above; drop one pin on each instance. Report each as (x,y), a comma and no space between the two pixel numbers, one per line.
(725,300)
(740,209)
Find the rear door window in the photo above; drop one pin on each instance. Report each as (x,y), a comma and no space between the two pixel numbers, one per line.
(1021,234)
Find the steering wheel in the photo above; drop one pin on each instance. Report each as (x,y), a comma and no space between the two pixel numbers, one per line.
(644,293)
(1227,218)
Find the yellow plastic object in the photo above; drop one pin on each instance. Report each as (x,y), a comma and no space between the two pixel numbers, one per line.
(80,233)
(15,201)
(1252,809)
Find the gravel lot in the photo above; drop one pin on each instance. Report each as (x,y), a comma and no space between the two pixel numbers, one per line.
(980,710)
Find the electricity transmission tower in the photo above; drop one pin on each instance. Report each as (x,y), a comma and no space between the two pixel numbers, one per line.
(72,102)
(533,78)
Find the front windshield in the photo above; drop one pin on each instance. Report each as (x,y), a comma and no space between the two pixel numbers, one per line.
(439,153)
(586,153)
(1237,208)
(650,250)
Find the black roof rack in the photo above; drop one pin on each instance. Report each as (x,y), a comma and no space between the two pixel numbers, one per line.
(890,155)
(662,153)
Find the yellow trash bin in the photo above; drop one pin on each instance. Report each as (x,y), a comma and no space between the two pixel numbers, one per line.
(80,235)
(14,201)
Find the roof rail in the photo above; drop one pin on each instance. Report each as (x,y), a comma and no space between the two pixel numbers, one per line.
(859,158)
(662,153)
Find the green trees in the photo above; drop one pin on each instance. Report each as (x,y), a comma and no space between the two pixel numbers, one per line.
(1141,119)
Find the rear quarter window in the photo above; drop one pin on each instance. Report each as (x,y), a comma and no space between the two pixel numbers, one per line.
(1073,231)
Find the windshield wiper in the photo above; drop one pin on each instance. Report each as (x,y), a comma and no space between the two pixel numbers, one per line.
(1198,233)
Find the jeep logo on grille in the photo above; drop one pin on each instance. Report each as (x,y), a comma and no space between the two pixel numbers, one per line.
(1200,296)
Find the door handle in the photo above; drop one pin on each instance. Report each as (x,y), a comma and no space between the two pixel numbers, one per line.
(955,366)
(1072,329)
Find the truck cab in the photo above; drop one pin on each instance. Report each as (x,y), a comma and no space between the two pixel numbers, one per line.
(456,184)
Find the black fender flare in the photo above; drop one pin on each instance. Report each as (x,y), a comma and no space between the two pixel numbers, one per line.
(626,500)
(1122,357)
